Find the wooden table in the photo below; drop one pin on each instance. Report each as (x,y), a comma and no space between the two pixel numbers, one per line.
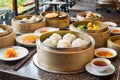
(108,13)
(30,72)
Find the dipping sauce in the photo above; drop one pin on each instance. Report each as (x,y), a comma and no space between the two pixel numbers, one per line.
(105,53)
(100,63)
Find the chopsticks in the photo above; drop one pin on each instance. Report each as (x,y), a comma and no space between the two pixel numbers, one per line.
(118,74)
(22,62)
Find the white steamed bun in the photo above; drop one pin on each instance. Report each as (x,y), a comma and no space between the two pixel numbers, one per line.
(79,42)
(70,37)
(50,42)
(56,37)
(63,44)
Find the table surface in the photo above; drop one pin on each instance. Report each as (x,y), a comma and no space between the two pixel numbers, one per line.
(30,72)
(108,13)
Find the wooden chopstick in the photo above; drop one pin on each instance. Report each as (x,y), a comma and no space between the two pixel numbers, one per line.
(22,62)
(118,74)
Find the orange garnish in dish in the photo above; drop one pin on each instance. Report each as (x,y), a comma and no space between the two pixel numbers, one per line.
(10,52)
(104,53)
(30,39)
(115,30)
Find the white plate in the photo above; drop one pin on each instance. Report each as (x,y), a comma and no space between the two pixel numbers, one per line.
(22,52)
(110,24)
(105,49)
(38,31)
(116,28)
(90,69)
(49,70)
(19,39)
(103,2)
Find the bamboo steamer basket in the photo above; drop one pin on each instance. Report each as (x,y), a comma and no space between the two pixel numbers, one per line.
(59,22)
(27,27)
(64,60)
(7,38)
(81,16)
(99,36)
(112,44)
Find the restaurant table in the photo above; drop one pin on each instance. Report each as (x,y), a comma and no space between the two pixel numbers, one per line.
(31,72)
(108,12)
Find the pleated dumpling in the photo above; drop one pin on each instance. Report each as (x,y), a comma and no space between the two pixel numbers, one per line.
(56,37)
(79,42)
(50,42)
(63,44)
(69,37)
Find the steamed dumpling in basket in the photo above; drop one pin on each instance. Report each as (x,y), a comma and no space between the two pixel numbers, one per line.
(79,43)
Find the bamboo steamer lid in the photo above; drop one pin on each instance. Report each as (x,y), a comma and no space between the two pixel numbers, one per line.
(64,61)
(59,22)
(27,27)
(7,39)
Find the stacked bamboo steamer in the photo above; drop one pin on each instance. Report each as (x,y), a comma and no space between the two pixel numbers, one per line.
(88,15)
(27,27)
(100,36)
(7,36)
(59,21)
(64,60)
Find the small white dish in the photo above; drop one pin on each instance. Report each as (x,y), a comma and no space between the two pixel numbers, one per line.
(21,51)
(110,70)
(45,29)
(19,39)
(100,64)
(106,54)
(110,24)
(115,30)
(103,2)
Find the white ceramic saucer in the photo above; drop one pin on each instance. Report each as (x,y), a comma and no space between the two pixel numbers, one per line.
(90,69)
(49,70)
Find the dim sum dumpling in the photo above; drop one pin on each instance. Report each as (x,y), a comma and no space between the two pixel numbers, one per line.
(79,42)
(56,37)
(70,37)
(64,44)
(50,42)
(33,19)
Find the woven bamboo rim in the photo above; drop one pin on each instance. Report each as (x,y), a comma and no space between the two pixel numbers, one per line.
(83,14)
(58,17)
(28,16)
(102,25)
(7,30)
